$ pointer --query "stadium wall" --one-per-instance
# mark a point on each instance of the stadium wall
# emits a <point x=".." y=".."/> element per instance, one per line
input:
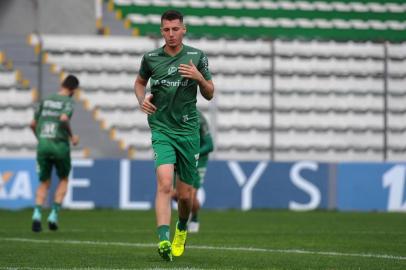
<point x="302" y="186"/>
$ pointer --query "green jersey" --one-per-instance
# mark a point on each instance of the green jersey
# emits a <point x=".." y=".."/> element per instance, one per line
<point x="173" y="95"/>
<point x="49" y="127"/>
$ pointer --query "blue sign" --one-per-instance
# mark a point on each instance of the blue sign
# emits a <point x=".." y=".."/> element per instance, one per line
<point x="128" y="184"/>
<point x="371" y="186"/>
<point x="299" y="186"/>
<point x="302" y="185"/>
<point x="17" y="183"/>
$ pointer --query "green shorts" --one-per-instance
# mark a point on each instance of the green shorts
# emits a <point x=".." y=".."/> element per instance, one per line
<point x="50" y="154"/>
<point x="182" y="151"/>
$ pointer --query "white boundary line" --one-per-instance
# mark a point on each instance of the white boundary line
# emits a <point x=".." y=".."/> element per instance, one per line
<point x="247" y="249"/>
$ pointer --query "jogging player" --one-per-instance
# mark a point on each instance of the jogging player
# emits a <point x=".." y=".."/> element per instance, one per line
<point x="52" y="129"/>
<point x="175" y="71"/>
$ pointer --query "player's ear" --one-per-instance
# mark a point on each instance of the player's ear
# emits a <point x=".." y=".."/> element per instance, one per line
<point x="184" y="29"/>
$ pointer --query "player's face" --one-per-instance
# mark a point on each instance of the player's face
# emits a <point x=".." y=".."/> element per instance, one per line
<point x="173" y="32"/>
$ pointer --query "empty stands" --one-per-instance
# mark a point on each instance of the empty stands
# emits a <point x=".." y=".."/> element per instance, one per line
<point x="338" y="20"/>
<point x="17" y="111"/>
<point x="326" y="98"/>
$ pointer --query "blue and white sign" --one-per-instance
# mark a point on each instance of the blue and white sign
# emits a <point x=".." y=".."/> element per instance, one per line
<point x="246" y="185"/>
<point x="300" y="186"/>
<point x="17" y="183"/>
<point x="371" y="186"/>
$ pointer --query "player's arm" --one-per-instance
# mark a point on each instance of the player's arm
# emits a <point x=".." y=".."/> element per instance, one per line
<point x="145" y="101"/>
<point x="206" y="145"/>
<point x="64" y="118"/>
<point x="191" y="72"/>
<point x="206" y="88"/>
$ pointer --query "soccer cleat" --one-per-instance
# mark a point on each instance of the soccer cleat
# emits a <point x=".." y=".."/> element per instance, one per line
<point x="36" y="221"/>
<point x="193" y="227"/>
<point x="164" y="250"/>
<point x="53" y="221"/>
<point x="179" y="242"/>
<point x="36" y="225"/>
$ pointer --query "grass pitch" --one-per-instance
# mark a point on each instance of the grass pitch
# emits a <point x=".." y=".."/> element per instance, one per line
<point x="260" y="239"/>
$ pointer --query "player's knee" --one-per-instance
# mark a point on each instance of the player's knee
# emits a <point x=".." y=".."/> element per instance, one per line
<point x="184" y="196"/>
<point x="165" y="188"/>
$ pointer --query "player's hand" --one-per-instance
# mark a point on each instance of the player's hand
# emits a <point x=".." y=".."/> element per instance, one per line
<point x="147" y="106"/>
<point x="75" y="139"/>
<point x="190" y="71"/>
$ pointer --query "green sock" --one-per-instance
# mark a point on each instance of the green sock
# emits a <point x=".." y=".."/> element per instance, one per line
<point x="194" y="218"/>
<point x="37" y="212"/>
<point x="163" y="233"/>
<point x="182" y="224"/>
<point x="38" y="208"/>
<point x="56" y="207"/>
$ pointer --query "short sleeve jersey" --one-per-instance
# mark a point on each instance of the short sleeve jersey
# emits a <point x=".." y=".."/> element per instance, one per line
<point x="47" y="115"/>
<point x="173" y="95"/>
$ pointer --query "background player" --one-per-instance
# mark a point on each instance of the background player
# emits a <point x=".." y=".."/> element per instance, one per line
<point x="206" y="146"/>
<point x="52" y="129"/>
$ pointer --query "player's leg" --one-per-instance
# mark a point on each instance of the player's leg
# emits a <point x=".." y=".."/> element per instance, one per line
<point x="44" y="168"/>
<point x="63" y="167"/>
<point x="163" y="196"/>
<point x="194" y="224"/>
<point x="56" y="205"/>
<point x="186" y="164"/>
<point x="40" y="197"/>
<point x="164" y="164"/>
<point x="184" y="193"/>
<point x="163" y="209"/>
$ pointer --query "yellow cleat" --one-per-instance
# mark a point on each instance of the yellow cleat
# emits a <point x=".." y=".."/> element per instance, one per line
<point x="179" y="242"/>
<point x="164" y="250"/>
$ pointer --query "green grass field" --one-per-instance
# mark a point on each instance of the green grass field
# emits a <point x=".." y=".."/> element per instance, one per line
<point x="265" y="239"/>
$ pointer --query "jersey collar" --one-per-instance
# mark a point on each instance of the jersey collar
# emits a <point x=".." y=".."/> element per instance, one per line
<point x="182" y="51"/>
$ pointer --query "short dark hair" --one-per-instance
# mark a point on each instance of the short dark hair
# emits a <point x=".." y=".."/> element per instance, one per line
<point x="70" y="82"/>
<point x="171" y="15"/>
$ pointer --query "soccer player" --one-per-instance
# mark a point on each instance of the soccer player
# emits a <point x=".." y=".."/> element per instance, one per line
<point x="206" y="146"/>
<point x="175" y="71"/>
<point x="52" y="129"/>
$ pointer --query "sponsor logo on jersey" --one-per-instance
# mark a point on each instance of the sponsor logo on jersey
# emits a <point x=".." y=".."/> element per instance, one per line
<point x="172" y="70"/>
<point x="168" y="83"/>
<point x="50" y="113"/>
<point x="153" y="54"/>
<point x="185" y="118"/>
<point x="53" y="104"/>
<point x="192" y="52"/>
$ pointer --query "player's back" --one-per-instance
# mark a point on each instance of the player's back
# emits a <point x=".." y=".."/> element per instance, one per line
<point x="50" y="128"/>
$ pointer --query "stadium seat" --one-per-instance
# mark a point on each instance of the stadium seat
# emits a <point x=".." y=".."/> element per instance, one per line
<point x="327" y="95"/>
<point x="343" y="20"/>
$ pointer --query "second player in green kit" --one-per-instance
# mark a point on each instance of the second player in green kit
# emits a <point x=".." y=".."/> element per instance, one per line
<point x="51" y="126"/>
